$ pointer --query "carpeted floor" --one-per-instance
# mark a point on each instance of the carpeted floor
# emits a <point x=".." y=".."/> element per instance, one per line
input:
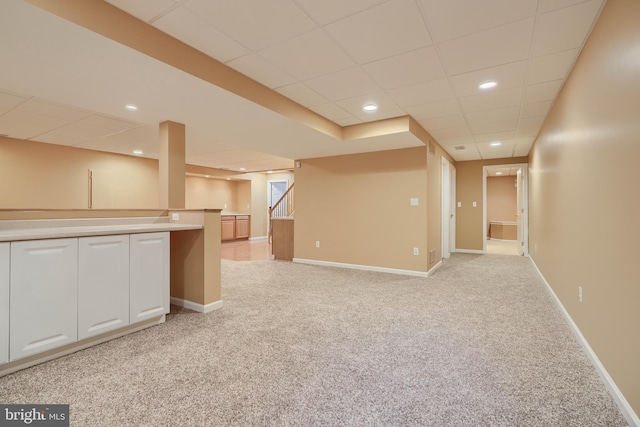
<point x="479" y="343"/>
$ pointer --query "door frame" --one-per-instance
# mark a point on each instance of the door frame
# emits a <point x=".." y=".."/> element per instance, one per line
<point x="524" y="167"/>
<point x="269" y="183"/>
<point x="448" y="210"/>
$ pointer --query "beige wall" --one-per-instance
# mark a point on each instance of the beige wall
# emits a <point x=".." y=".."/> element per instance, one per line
<point x="501" y="199"/>
<point x="468" y="190"/>
<point x="584" y="206"/>
<point x="38" y="175"/>
<point x="209" y="193"/>
<point x="358" y="207"/>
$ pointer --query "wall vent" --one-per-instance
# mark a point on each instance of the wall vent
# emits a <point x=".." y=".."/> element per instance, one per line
<point x="432" y="256"/>
<point x="459" y="147"/>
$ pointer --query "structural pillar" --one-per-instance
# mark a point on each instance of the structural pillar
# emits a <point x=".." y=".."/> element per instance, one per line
<point x="172" y="165"/>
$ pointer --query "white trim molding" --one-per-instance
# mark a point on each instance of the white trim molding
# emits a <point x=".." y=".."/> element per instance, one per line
<point x="470" y="251"/>
<point x="195" y="306"/>
<point x="258" y="238"/>
<point x="362" y="267"/>
<point x="626" y="409"/>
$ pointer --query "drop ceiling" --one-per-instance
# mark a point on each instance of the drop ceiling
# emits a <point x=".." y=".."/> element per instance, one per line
<point x="421" y="58"/>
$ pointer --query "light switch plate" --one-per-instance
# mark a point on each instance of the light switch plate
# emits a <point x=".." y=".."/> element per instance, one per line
<point x="175" y="217"/>
<point x="414" y="201"/>
<point x="474" y="204"/>
<point x="459" y="204"/>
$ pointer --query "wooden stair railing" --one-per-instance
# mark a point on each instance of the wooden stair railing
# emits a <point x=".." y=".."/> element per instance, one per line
<point x="283" y="208"/>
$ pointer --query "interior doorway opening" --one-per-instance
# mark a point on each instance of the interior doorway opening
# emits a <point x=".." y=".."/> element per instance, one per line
<point x="505" y="209"/>
<point x="448" y="204"/>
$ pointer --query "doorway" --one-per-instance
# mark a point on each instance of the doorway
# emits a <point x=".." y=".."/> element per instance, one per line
<point x="448" y="200"/>
<point x="275" y="190"/>
<point x="505" y="212"/>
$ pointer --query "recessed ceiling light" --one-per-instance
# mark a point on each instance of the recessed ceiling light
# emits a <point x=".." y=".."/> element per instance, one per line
<point x="243" y="169"/>
<point x="228" y="179"/>
<point x="269" y="171"/>
<point x="496" y="144"/>
<point x="488" y="85"/>
<point x="137" y="152"/>
<point x="498" y="173"/>
<point x="131" y="107"/>
<point x="370" y="107"/>
<point x="207" y="176"/>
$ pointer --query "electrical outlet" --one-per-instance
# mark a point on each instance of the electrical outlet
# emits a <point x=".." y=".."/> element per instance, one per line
<point x="580" y="293"/>
<point x="414" y="201"/>
<point x="475" y="204"/>
<point x="175" y="217"/>
<point x="416" y="251"/>
<point x="317" y="243"/>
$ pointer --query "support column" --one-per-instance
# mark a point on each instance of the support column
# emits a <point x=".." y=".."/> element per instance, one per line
<point x="172" y="165"/>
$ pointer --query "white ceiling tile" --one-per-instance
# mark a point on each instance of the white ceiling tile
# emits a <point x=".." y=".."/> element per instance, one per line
<point x="331" y="111"/>
<point x="489" y="152"/>
<point x="302" y="94"/>
<point x="530" y="124"/>
<point x="385" y="105"/>
<point x="537" y="109"/>
<point x="542" y="92"/>
<point x="564" y="28"/>
<point x="492" y="100"/>
<point x="507" y="113"/>
<point x="495" y="136"/>
<point x="261" y="70"/>
<point x="307" y="56"/>
<point x="255" y="24"/>
<point x="502" y="45"/>
<point x="392" y="28"/>
<point x="189" y="28"/>
<point x="456" y="140"/>
<point x="107" y="122"/>
<point x="349" y="121"/>
<point x="443" y="123"/>
<point x="46" y="108"/>
<point x="523" y="147"/>
<point x="494" y="126"/>
<point x="343" y="84"/>
<point x="434" y="110"/>
<point x="143" y="138"/>
<point x="447" y="21"/>
<point x="551" y="67"/>
<point x="144" y="10"/>
<point x="457" y="132"/>
<point x="9" y="101"/>
<point x="549" y="5"/>
<point x="507" y="76"/>
<point x="327" y="11"/>
<point x="73" y="134"/>
<point x="423" y="93"/>
<point x="470" y="152"/>
<point x="406" y="69"/>
<point x="24" y="125"/>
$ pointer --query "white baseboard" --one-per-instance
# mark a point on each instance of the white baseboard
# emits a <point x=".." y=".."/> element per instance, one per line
<point x="435" y="267"/>
<point x="362" y="267"/>
<point x="470" y="251"/>
<point x="195" y="306"/>
<point x="258" y="238"/>
<point x="618" y="397"/>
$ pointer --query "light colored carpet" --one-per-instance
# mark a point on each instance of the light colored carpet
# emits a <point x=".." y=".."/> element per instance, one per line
<point x="502" y="247"/>
<point x="480" y="343"/>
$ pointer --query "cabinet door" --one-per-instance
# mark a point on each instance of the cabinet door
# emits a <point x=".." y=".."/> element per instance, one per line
<point x="228" y="228"/>
<point x="242" y="227"/>
<point x="4" y="302"/>
<point x="44" y="295"/>
<point x="149" y="276"/>
<point x="103" y="284"/>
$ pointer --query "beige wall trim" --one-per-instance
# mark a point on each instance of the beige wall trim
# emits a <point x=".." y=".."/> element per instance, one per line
<point x="363" y="267"/>
<point x="626" y="409"/>
<point x="200" y="308"/>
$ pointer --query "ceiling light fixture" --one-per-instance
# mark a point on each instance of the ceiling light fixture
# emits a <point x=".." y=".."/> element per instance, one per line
<point x="498" y="173"/>
<point x="488" y="85"/>
<point x="370" y="107"/>
<point x="243" y="169"/>
<point x="131" y="107"/>
<point x="137" y="152"/>
<point x="495" y="144"/>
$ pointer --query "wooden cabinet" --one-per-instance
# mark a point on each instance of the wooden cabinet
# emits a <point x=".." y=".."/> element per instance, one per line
<point x="4" y="302"/>
<point x="148" y="276"/>
<point x="242" y="226"/>
<point x="228" y="224"/>
<point x="103" y="284"/>
<point x="234" y="227"/>
<point x="44" y="295"/>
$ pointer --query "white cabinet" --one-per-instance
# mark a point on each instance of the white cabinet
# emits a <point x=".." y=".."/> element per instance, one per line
<point x="149" y="276"/>
<point x="43" y="295"/>
<point x="4" y="302"/>
<point x="103" y="284"/>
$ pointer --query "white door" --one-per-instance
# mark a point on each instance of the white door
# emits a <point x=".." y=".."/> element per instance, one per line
<point x="103" y="284"/>
<point x="44" y="295"/>
<point x="4" y="302"/>
<point x="446" y="207"/>
<point x="452" y="209"/>
<point x="520" y="206"/>
<point x="149" y="276"/>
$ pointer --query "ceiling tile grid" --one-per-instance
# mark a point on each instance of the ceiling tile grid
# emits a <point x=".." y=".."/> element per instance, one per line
<point x="424" y="58"/>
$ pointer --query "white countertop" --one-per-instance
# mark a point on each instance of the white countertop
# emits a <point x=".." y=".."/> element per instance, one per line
<point x="36" y="233"/>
